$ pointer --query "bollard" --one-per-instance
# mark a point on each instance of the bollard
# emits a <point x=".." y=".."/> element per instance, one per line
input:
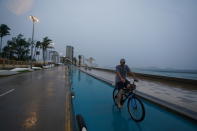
<point x="72" y="94"/>
<point x="81" y="123"/>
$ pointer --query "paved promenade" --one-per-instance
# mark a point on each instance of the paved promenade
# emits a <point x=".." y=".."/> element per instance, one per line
<point x="35" y="101"/>
<point x="183" y="97"/>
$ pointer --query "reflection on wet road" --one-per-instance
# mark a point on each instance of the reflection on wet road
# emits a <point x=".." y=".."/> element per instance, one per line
<point x="37" y="102"/>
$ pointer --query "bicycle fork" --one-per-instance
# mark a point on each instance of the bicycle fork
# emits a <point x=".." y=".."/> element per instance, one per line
<point x="133" y="103"/>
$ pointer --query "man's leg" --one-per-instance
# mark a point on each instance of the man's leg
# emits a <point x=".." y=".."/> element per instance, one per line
<point x="119" y="95"/>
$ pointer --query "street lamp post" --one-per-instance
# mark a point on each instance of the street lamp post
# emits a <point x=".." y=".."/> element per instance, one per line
<point x="34" y="20"/>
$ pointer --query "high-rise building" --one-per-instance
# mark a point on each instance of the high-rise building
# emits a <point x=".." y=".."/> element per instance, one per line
<point x="70" y="52"/>
<point x="82" y="60"/>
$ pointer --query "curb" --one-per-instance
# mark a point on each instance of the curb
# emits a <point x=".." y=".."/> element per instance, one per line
<point x="69" y="124"/>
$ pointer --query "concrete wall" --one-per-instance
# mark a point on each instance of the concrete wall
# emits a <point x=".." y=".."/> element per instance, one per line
<point x="12" y="66"/>
<point x="9" y="64"/>
<point x="161" y="78"/>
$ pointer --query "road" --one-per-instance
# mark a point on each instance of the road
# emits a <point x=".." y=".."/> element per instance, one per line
<point x="33" y="101"/>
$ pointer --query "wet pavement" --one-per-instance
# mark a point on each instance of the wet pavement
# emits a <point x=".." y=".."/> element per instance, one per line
<point x="33" y="101"/>
<point x="180" y="95"/>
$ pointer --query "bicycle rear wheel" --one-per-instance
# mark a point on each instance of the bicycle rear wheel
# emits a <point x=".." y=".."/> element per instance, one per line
<point x="115" y="92"/>
<point x="136" y="109"/>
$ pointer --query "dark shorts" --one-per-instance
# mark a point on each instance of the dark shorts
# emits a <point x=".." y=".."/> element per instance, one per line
<point x="121" y="85"/>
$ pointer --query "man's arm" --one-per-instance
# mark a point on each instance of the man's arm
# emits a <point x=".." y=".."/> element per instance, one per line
<point x="118" y="74"/>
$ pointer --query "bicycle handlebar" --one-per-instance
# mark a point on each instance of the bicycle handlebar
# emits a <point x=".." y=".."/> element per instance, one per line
<point x="135" y="80"/>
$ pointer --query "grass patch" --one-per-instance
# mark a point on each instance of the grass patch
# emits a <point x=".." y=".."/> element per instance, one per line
<point x="23" y="71"/>
<point x="37" y="69"/>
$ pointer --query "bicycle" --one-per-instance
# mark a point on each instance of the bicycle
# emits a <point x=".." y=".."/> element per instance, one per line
<point x="134" y="104"/>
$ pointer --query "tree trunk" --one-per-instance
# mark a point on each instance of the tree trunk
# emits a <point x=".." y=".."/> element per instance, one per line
<point x="38" y="56"/>
<point x="43" y="55"/>
<point x="46" y="55"/>
<point x="35" y="49"/>
<point x="1" y="45"/>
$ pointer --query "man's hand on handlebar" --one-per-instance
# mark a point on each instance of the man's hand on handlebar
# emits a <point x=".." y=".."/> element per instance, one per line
<point x="122" y="80"/>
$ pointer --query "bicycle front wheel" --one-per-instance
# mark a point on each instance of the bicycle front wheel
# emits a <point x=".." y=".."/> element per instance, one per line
<point x="136" y="109"/>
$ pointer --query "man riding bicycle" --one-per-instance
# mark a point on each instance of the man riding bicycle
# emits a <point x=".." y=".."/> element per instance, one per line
<point x="121" y="82"/>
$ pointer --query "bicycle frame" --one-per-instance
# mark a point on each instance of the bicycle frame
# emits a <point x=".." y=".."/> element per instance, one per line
<point x="128" y="93"/>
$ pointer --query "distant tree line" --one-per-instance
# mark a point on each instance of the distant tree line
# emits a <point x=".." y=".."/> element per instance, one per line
<point x="18" y="48"/>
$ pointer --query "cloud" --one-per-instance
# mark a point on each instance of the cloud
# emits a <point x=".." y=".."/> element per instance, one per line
<point x="19" y="7"/>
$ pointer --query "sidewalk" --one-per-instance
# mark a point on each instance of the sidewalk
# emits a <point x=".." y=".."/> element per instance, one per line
<point x="19" y="70"/>
<point x="175" y="96"/>
<point x="7" y="73"/>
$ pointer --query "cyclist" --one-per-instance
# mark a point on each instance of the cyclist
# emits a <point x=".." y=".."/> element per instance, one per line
<point x="121" y="81"/>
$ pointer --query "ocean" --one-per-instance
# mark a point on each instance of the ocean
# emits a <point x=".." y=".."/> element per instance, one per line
<point x="176" y="73"/>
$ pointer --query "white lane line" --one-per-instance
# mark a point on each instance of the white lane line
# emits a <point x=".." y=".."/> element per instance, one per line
<point x="7" y="92"/>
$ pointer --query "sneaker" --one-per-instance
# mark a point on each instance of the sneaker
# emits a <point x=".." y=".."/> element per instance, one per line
<point x="120" y="103"/>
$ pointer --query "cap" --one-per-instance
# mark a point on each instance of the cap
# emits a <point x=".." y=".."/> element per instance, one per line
<point x="122" y="60"/>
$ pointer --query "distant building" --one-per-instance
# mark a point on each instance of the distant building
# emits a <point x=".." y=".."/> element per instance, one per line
<point x="52" y="56"/>
<point x="55" y="58"/>
<point x="82" y="60"/>
<point x="48" y="53"/>
<point x="62" y="59"/>
<point x="69" y="52"/>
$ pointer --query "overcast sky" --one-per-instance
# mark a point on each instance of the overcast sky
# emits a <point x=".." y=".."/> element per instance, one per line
<point x="148" y="33"/>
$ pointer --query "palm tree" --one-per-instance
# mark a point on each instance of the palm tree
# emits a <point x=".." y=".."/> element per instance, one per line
<point x="6" y="53"/>
<point x="45" y="44"/>
<point x="4" y="30"/>
<point x="91" y="60"/>
<point x="37" y="46"/>
<point x="17" y="48"/>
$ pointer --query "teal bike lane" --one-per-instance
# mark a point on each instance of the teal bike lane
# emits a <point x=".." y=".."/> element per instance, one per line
<point x="93" y="100"/>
